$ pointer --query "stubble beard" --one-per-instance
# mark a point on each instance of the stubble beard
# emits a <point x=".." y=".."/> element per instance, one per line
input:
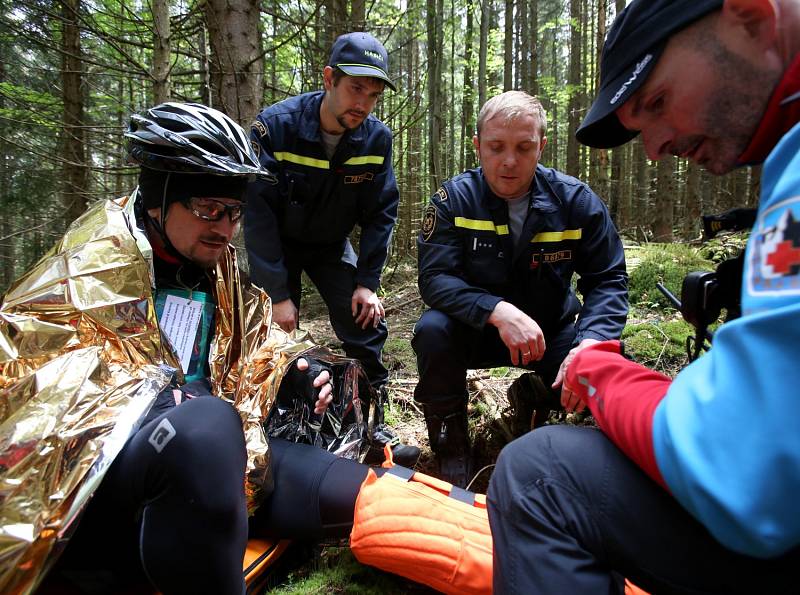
<point x="346" y="125"/>
<point x="735" y="109"/>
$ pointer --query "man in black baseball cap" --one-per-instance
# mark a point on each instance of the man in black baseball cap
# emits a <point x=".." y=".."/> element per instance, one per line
<point x="690" y="485"/>
<point x="333" y="161"/>
<point x="633" y="46"/>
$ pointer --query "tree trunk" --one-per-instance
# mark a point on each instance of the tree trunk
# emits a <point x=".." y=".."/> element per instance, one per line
<point x="693" y="202"/>
<point x="434" y="93"/>
<point x="524" y="47"/>
<point x="640" y="198"/>
<point x="6" y="245"/>
<point x="335" y="20"/>
<point x="74" y="171"/>
<point x="508" y="47"/>
<point x="533" y="40"/>
<point x="664" y="203"/>
<point x="468" y="98"/>
<point x="204" y="65"/>
<point x="452" y="155"/>
<point x="236" y="61"/>
<point x="754" y="190"/>
<point x="483" y="50"/>
<point x="358" y="15"/>
<point x="161" y="51"/>
<point x="414" y="200"/>
<point x="574" y="80"/>
<point x="555" y="138"/>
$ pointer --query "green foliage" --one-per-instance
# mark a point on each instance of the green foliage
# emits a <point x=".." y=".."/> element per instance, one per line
<point x="665" y="263"/>
<point x="724" y="246"/>
<point x="337" y="571"/>
<point x="30" y="105"/>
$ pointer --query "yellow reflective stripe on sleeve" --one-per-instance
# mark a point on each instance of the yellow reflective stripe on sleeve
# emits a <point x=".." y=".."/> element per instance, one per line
<point x="300" y="160"/>
<point x="557" y="236"/>
<point x="365" y="160"/>
<point x="481" y="225"/>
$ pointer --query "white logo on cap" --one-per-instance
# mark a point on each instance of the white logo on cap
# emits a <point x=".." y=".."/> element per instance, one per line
<point x="636" y="72"/>
<point x="372" y="54"/>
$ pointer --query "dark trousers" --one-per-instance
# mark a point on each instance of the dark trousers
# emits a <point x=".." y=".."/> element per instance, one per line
<point x="570" y="513"/>
<point x="176" y="517"/>
<point x="171" y="508"/>
<point x="332" y="270"/>
<point x="446" y="348"/>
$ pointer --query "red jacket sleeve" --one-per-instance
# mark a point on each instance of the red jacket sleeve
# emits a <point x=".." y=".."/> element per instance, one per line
<point x="622" y="396"/>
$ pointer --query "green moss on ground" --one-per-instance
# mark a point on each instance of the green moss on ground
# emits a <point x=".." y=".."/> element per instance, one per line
<point x="658" y="344"/>
<point x="667" y="264"/>
<point x="337" y="571"/>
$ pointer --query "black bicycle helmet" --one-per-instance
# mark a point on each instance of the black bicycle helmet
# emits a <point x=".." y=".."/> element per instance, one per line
<point x="191" y="138"/>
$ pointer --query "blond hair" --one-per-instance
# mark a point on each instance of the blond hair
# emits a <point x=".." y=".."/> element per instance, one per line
<point x="510" y="106"/>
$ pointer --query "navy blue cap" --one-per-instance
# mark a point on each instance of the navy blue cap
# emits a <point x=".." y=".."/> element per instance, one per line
<point x="632" y="48"/>
<point x="360" y="54"/>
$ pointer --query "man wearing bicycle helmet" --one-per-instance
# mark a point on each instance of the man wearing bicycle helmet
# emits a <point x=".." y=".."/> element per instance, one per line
<point x="152" y="309"/>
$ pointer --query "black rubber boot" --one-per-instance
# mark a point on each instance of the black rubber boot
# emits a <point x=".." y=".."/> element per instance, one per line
<point x="449" y="436"/>
<point x="404" y="455"/>
<point x="532" y="403"/>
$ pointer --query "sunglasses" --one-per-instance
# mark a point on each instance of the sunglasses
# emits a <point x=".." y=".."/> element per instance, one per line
<point x="211" y="209"/>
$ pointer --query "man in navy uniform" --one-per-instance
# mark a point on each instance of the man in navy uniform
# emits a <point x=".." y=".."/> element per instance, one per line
<point x="497" y="251"/>
<point x="333" y="160"/>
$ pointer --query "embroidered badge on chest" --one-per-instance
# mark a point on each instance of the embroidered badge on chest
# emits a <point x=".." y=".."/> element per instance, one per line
<point x="367" y="176"/>
<point x="550" y="257"/>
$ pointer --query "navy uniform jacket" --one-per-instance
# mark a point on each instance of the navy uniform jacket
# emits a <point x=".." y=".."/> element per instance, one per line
<point x="317" y="201"/>
<point x="468" y="263"/>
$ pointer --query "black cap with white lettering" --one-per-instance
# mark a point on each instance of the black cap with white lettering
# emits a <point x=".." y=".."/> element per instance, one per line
<point x="360" y="54"/>
<point x="633" y="46"/>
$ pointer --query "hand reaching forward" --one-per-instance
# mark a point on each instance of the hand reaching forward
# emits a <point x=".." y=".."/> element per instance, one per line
<point x="323" y="380"/>
<point x="284" y="314"/>
<point x="570" y="400"/>
<point x="366" y="306"/>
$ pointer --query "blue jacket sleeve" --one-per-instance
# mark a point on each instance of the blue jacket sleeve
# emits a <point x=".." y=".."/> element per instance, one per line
<point x="441" y="279"/>
<point x="726" y="436"/>
<point x="261" y="234"/>
<point x="603" y="281"/>
<point x="377" y="219"/>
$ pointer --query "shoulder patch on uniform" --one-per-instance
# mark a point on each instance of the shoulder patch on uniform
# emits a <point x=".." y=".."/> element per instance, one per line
<point x="774" y="265"/>
<point x="256" y="147"/>
<point x="428" y="223"/>
<point x="260" y="129"/>
<point x="442" y="194"/>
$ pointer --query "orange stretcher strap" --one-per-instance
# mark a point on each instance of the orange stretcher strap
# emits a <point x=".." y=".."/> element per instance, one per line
<point x="631" y="589"/>
<point x="260" y="555"/>
<point x="422" y="528"/>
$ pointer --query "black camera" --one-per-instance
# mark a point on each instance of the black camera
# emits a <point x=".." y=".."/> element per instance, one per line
<point x="704" y="294"/>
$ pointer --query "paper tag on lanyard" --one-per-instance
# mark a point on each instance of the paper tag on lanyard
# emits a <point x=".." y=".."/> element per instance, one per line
<point x="179" y="321"/>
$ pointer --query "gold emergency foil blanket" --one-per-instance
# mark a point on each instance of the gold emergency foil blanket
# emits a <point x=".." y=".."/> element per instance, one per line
<point x="78" y="412"/>
<point x="79" y="344"/>
<point x="80" y="355"/>
<point x="248" y="361"/>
